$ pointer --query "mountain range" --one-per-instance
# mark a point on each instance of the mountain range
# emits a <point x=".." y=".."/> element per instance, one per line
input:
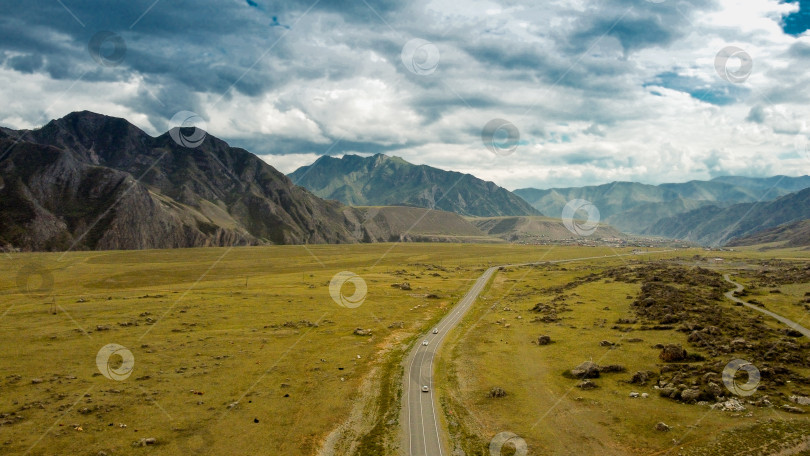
<point x="89" y="181"/>
<point x="638" y="208"/>
<point x="381" y="180"/>
<point x="713" y="225"/>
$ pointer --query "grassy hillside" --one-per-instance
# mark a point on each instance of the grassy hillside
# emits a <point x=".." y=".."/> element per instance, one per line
<point x="795" y="234"/>
<point x="712" y="225"/>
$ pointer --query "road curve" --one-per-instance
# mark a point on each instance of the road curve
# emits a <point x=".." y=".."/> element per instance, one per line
<point x="790" y="323"/>
<point x="419" y="416"/>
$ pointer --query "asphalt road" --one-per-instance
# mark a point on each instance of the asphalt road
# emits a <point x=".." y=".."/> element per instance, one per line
<point x="419" y="409"/>
<point x="790" y="323"/>
<point x="420" y="417"/>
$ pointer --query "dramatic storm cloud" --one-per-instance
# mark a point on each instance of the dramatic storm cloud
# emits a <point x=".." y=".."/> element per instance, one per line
<point x="652" y="91"/>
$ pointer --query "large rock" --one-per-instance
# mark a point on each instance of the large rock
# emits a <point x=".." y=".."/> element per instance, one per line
<point x="672" y="353"/>
<point x="588" y="369"/>
<point x="544" y="340"/>
<point x="641" y="377"/>
<point x="690" y="395"/>
<point x="801" y="400"/>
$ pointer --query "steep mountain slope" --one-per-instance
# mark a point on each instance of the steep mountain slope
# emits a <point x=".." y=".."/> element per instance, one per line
<point x="634" y="207"/>
<point x="383" y="181"/>
<point x="88" y="181"/>
<point x="712" y="225"/>
<point x="795" y="234"/>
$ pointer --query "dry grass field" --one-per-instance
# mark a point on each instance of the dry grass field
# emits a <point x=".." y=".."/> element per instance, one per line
<point x="496" y="346"/>
<point x="236" y="351"/>
<point x="244" y="351"/>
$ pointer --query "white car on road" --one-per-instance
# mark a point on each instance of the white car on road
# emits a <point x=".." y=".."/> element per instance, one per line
<point x="425" y="343"/>
<point x="425" y="389"/>
<point x="436" y="331"/>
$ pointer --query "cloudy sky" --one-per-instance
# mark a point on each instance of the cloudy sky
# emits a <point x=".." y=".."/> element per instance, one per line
<point x="568" y="93"/>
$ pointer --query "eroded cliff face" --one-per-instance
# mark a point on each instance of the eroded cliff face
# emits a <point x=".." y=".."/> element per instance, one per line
<point x="89" y="181"/>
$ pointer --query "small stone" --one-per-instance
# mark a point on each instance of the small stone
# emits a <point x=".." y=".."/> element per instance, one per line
<point x="587" y="385"/>
<point x="792" y="409"/>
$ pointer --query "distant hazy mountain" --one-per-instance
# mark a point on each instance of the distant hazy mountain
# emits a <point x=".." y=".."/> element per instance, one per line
<point x="538" y="229"/>
<point x="712" y="225"/>
<point x="634" y="207"/>
<point x="88" y="181"/>
<point x="383" y="181"/>
<point x="794" y="234"/>
<point x="401" y="223"/>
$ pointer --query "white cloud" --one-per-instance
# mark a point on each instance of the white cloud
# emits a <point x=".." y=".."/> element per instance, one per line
<point x="589" y="112"/>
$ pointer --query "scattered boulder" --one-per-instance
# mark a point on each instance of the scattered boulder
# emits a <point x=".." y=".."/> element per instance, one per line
<point x="662" y="427"/>
<point x="792" y="409"/>
<point x="497" y="392"/>
<point x="405" y="286"/>
<point x="611" y="368"/>
<point x="397" y="325"/>
<point x="801" y="400"/>
<point x="690" y="395"/>
<point x="672" y="353"/>
<point x="362" y="332"/>
<point x="606" y="343"/>
<point x="587" y="385"/>
<point x="145" y="442"/>
<point x="731" y="405"/>
<point x="634" y="394"/>
<point x="544" y="340"/>
<point x="588" y="369"/>
<point x="641" y="377"/>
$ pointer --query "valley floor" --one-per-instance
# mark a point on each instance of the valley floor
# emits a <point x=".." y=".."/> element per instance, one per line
<point x="251" y="350"/>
